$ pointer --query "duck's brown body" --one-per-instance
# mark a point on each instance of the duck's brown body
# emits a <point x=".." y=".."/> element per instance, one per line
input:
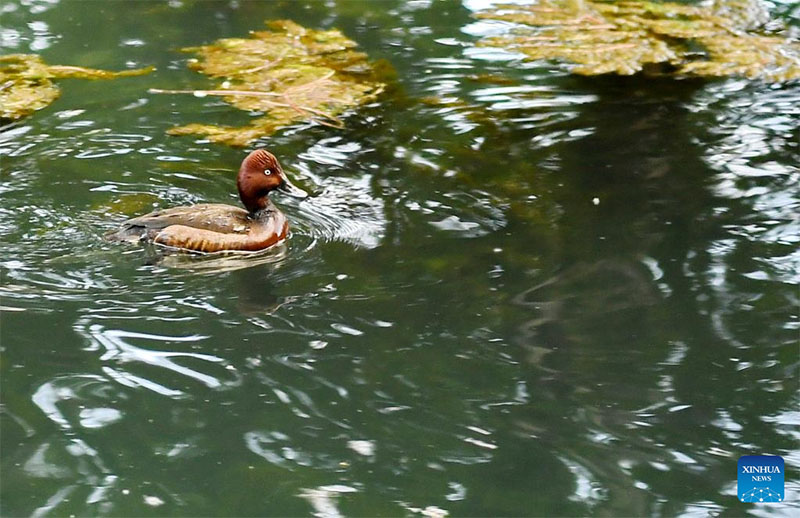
<point x="212" y="227"/>
<point x="208" y="227"/>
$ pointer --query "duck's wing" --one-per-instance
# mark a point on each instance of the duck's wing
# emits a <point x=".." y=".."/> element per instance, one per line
<point x="212" y="217"/>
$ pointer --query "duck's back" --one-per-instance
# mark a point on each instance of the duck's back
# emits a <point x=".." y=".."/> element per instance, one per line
<point x="208" y="227"/>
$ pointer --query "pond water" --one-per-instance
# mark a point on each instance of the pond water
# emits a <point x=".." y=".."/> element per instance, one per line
<point x="512" y="292"/>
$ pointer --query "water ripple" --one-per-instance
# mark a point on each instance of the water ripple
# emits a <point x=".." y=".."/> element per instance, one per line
<point x="119" y="349"/>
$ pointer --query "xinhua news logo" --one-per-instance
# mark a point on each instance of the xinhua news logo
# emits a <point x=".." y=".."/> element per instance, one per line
<point x="761" y="479"/>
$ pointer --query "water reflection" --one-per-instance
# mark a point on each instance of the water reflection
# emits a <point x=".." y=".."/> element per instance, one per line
<point x="573" y="309"/>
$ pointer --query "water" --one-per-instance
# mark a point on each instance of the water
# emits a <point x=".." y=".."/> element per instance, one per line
<point x="548" y="296"/>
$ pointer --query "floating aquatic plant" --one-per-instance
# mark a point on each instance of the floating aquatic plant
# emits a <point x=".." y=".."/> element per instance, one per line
<point x="26" y="82"/>
<point x="289" y="73"/>
<point x="628" y="37"/>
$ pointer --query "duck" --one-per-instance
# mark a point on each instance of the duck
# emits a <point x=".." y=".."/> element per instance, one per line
<point x="216" y="227"/>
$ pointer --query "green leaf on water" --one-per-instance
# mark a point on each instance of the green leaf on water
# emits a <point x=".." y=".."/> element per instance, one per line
<point x="26" y="82"/>
<point x="629" y="37"/>
<point x="289" y="73"/>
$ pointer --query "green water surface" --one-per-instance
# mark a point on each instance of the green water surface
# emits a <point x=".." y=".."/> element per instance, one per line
<point x="513" y="292"/>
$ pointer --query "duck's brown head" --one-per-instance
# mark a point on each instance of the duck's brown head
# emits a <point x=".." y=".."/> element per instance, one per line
<point x="260" y="174"/>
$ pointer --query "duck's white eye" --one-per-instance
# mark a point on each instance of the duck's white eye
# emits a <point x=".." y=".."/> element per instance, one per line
<point x="267" y="172"/>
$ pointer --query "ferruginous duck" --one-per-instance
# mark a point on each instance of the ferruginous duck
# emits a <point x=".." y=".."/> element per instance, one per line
<point x="215" y="227"/>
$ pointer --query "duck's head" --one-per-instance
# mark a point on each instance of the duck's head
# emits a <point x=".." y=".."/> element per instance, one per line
<point x="259" y="175"/>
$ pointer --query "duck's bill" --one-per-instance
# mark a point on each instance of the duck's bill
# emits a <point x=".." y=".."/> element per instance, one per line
<point x="289" y="188"/>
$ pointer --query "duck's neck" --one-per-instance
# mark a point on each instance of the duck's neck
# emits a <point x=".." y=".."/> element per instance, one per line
<point x="265" y="209"/>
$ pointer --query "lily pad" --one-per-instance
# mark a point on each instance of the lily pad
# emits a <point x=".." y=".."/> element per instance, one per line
<point x="289" y="73"/>
<point x="629" y="37"/>
<point x="26" y="82"/>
